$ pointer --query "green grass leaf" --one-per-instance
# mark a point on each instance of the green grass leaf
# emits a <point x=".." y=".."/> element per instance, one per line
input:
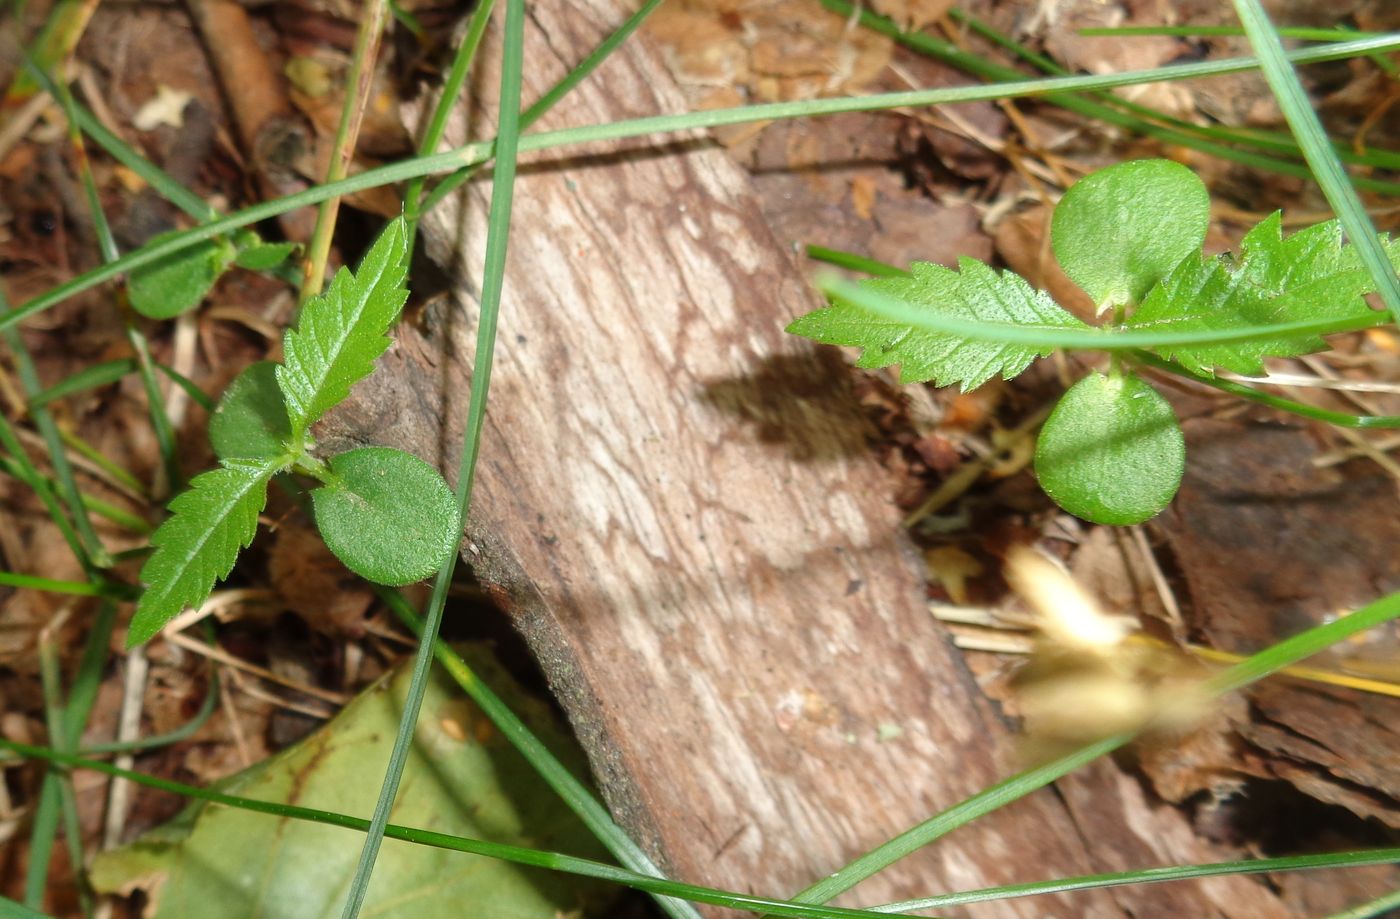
<point x="387" y="515"/>
<point x="974" y="292"/>
<point x="177" y="282"/>
<point x="1309" y="275"/>
<point x="1120" y="230"/>
<point x="209" y="525"/>
<point x="1111" y="451"/>
<point x="342" y="331"/>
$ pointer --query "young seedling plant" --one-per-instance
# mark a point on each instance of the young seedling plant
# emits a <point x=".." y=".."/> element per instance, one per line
<point x="1131" y="236"/>
<point x="387" y="515"/>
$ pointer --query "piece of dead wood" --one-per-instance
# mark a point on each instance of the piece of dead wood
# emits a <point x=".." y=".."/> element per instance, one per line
<point x="717" y="588"/>
<point x="1268" y="546"/>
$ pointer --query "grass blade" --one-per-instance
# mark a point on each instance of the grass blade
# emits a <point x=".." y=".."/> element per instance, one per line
<point x="551" y="97"/>
<point x="9" y="909"/>
<point x="493" y="277"/>
<point x="574" y="793"/>
<point x="1152" y="876"/>
<point x="1091" y="339"/>
<point x="1378" y="907"/>
<point x="481" y="151"/>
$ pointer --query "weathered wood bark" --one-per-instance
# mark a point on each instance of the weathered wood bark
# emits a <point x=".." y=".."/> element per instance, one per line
<point x="675" y="502"/>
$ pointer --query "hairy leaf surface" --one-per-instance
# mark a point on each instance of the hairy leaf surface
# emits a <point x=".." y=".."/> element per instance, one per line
<point x="1311" y="274"/>
<point x="342" y="331"/>
<point x="1120" y="230"/>
<point x="973" y="292"/>
<point x="209" y="525"/>
<point x="1111" y="451"/>
<point x="178" y="282"/>
<point x="387" y="515"/>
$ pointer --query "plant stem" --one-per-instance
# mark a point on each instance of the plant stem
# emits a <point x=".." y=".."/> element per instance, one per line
<point x="1341" y="419"/>
<point x="359" y="83"/>
<point x="73" y="588"/>
<point x="442" y="109"/>
<point x="552" y="96"/>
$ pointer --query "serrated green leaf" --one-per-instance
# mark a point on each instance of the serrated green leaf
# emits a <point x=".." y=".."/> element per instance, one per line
<point x="387" y="515"/>
<point x="260" y="256"/>
<point x="209" y="524"/>
<point x="250" y="421"/>
<point x="1111" y="451"/>
<point x="342" y="331"/>
<point x="1118" y="231"/>
<point x="1309" y="275"/>
<point x="974" y="292"/>
<point x="171" y="285"/>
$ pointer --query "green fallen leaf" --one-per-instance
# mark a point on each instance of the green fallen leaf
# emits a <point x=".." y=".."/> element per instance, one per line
<point x="250" y="420"/>
<point x="462" y="778"/>
<point x="1120" y="230"/>
<point x="1111" y="451"/>
<point x="387" y="515"/>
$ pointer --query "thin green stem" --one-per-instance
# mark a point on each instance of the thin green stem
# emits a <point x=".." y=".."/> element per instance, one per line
<point x="493" y="279"/>
<point x="104" y="462"/>
<point x="90" y="377"/>
<point x="1303" y="34"/>
<point x="552" y="96"/>
<point x="1380" y="906"/>
<point x="43" y="832"/>
<point x="442" y="109"/>
<point x="358" y="84"/>
<point x="108" y="372"/>
<point x="1270" y="141"/>
<point x="610" y="874"/>
<point x="1312" y="138"/>
<point x="1355" y="859"/>
<point x="853" y="262"/>
<point x="1270" y="660"/>
<point x="73" y="588"/>
<point x="1341" y="419"/>
<point x="57" y="718"/>
<point x="479" y="152"/>
<point x="82" y="695"/>
<point x="1108" y="109"/>
<point x="20" y="466"/>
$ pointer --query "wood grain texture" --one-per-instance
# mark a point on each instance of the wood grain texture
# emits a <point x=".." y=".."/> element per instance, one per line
<point x="676" y="504"/>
